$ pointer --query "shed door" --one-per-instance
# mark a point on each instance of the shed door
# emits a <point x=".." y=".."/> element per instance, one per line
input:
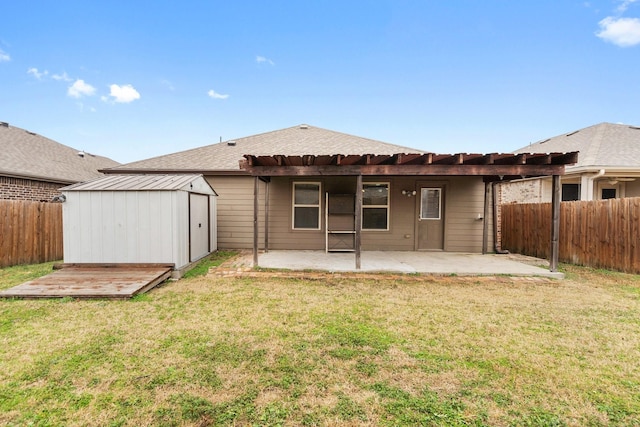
<point x="431" y="219"/>
<point x="198" y="226"/>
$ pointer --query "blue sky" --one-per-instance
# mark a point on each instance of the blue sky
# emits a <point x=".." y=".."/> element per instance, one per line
<point x="137" y="79"/>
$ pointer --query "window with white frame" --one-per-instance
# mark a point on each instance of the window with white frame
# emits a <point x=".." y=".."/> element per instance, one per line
<point x="306" y="205"/>
<point x="375" y="206"/>
<point x="430" y="201"/>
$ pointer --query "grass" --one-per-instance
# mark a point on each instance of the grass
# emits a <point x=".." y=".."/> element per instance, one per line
<point x="450" y="351"/>
<point x="213" y="260"/>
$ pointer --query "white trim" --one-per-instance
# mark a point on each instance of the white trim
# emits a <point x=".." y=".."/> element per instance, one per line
<point x="439" y="190"/>
<point x="387" y="206"/>
<point x="294" y="205"/>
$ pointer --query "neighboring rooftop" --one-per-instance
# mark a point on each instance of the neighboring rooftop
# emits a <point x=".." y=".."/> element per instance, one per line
<point x="604" y="144"/>
<point x="25" y="154"/>
<point x="297" y="140"/>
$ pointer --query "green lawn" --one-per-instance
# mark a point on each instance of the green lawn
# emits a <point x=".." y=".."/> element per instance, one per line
<point x="391" y="351"/>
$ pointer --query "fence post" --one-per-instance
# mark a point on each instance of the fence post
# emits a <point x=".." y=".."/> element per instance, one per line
<point x="555" y="223"/>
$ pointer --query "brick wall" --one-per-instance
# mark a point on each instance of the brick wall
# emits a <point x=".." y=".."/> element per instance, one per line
<point x="27" y="189"/>
<point x="525" y="191"/>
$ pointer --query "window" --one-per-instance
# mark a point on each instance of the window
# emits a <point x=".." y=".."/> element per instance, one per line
<point x="375" y="206"/>
<point x="306" y="205"/>
<point x="608" y="193"/>
<point x="570" y="192"/>
<point x="430" y="203"/>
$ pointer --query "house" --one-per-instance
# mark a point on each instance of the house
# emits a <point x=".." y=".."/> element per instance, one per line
<point x="608" y="166"/>
<point x="308" y="188"/>
<point x="33" y="167"/>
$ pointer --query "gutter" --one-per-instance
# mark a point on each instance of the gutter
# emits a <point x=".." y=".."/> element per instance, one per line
<point x="174" y="171"/>
<point x="38" y="178"/>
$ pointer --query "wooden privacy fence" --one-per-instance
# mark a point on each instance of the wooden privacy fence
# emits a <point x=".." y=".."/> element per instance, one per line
<point x="30" y="232"/>
<point x="600" y="233"/>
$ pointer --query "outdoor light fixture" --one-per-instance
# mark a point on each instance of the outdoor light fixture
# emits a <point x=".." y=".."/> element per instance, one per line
<point x="408" y="193"/>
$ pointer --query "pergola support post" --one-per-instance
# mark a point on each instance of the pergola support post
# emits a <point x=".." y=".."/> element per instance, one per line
<point x="266" y="215"/>
<point x="256" y="189"/>
<point x="555" y="223"/>
<point x="358" y="220"/>
<point x="485" y="216"/>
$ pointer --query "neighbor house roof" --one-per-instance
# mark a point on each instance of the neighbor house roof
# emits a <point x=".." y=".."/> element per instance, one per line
<point x="604" y="145"/>
<point x="226" y="156"/>
<point x="25" y="154"/>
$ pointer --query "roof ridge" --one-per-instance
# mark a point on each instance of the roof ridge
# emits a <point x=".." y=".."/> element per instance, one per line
<point x="308" y="126"/>
<point x="590" y="154"/>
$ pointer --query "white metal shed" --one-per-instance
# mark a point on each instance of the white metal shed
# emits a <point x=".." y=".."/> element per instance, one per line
<point x="124" y="219"/>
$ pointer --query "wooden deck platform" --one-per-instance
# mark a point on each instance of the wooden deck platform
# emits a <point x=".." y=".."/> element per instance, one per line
<point x="93" y="281"/>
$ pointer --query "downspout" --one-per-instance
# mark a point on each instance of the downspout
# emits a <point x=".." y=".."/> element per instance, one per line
<point x="495" y="221"/>
<point x="592" y="179"/>
<point x="586" y="183"/>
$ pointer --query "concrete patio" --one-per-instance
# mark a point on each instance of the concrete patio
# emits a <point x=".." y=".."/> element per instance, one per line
<point x="442" y="263"/>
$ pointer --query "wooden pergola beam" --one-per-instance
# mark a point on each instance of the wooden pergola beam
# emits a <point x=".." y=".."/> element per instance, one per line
<point x="412" y="170"/>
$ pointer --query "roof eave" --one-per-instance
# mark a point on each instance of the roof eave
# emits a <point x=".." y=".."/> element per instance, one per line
<point x="37" y="178"/>
<point x="575" y="170"/>
<point x="206" y="172"/>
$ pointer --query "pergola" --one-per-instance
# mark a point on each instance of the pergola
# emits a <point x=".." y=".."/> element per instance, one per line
<point x="495" y="167"/>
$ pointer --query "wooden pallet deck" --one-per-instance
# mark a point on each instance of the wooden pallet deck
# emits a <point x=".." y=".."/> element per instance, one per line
<point x="93" y="281"/>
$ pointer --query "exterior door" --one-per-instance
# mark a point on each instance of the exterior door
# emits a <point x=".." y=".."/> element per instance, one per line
<point x="431" y="219"/>
<point x="198" y="226"/>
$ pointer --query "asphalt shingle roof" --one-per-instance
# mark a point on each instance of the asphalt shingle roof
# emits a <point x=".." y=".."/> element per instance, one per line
<point x="297" y="140"/>
<point x="28" y="155"/>
<point x="604" y="144"/>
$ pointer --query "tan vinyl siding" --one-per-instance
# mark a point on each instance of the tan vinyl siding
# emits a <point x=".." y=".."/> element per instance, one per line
<point x="400" y="236"/>
<point x="464" y="200"/>
<point x="235" y="211"/>
<point x="632" y="188"/>
<point x="281" y="233"/>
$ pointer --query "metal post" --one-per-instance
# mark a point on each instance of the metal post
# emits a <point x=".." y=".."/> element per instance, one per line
<point x="358" y="219"/>
<point x="485" y="216"/>
<point x="555" y="223"/>
<point x="266" y="215"/>
<point x="255" y="221"/>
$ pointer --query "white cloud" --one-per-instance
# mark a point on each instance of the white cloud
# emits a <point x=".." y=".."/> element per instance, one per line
<point x="61" y="77"/>
<point x="4" y="57"/>
<point x="166" y="83"/>
<point x="215" y="95"/>
<point x="262" y="59"/>
<point x="625" y="5"/>
<point x="624" y="32"/>
<point x="123" y="94"/>
<point x="37" y="74"/>
<point x="79" y="89"/>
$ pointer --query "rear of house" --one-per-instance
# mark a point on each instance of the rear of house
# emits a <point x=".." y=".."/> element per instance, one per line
<point x="417" y="201"/>
<point x="398" y="213"/>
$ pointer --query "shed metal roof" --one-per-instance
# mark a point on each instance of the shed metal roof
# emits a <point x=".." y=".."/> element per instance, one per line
<point x="135" y="183"/>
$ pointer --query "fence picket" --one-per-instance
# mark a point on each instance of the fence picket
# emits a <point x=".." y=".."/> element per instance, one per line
<point x="30" y="232"/>
<point x="601" y="234"/>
